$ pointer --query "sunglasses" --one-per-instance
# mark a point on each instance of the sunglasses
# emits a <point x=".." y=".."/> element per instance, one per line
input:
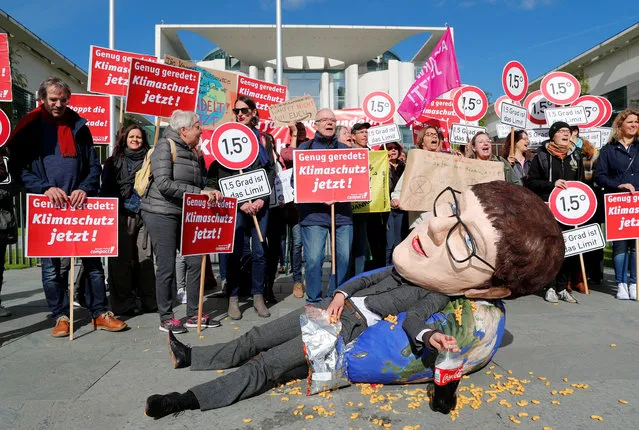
<point x="244" y="111"/>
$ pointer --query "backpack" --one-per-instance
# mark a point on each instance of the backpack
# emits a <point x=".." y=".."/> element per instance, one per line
<point x="143" y="176"/>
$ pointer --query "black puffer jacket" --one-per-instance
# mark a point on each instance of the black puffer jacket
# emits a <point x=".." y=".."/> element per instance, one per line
<point x="170" y="180"/>
<point x="546" y="169"/>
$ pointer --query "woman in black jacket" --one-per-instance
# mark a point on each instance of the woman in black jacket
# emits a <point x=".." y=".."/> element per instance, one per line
<point x="132" y="270"/>
<point x="556" y="162"/>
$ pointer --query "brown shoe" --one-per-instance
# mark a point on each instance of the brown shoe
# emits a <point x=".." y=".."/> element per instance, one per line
<point x="107" y="321"/>
<point x="61" y="328"/>
<point x="298" y="290"/>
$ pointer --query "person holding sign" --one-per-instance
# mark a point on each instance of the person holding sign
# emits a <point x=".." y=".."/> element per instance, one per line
<point x="246" y="113"/>
<point x="9" y="230"/>
<point x="481" y="148"/>
<point x="396" y="223"/>
<point x="618" y="172"/>
<point x="361" y="222"/>
<point x="557" y="161"/>
<point x="132" y="270"/>
<point x="172" y="177"/>
<point x="520" y="160"/>
<point x="53" y="148"/>
<point x="465" y="250"/>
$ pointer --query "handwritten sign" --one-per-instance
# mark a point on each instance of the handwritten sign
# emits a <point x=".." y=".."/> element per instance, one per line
<point x="299" y="109"/>
<point x="427" y="173"/>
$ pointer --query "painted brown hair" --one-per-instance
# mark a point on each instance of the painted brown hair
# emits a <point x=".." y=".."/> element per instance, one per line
<point x="530" y="249"/>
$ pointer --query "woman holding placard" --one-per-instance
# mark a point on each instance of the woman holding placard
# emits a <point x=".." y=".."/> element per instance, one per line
<point x="132" y="270"/>
<point x="481" y="148"/>
<point x="618" y="171"/>
<point x="520" y="160"/>
<point x="246" y="113"/>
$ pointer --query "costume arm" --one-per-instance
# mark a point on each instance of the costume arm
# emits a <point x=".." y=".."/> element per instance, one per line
<point x="416" y="316"/>
<point x="357" y="284"/>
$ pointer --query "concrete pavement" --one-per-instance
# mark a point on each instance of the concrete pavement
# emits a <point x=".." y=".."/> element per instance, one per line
<point x="101" y="380"/>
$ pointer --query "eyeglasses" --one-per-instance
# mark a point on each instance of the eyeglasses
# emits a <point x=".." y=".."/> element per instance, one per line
<point x="460" y="243"/>
<point x="326" y="120"/>
<point x="430" y="134"/>
<point x="244" y="111"/>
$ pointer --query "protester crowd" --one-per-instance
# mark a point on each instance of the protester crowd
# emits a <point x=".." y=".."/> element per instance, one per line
<point x="51" y="152"/>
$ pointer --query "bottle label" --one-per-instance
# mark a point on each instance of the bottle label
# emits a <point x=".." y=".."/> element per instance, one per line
<point x="444" y="376"/>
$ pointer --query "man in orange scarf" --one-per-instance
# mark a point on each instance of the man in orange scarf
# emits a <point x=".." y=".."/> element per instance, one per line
<point x="51" y="150"/>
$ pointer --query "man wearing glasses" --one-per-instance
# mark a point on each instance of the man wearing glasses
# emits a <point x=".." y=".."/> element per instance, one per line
<point x="315" y="220"/>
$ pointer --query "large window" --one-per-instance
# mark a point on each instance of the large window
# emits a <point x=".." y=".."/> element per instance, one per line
<point x="301" y="83"/>
<point x="23" y="103"/>
<point x="619" y="100"/>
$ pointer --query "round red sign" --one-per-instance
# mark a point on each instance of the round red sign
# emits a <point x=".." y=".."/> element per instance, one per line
<point x="573" y="206"/>
<point x="536" y="104"/>
<point x="470" y="103"/>
<point x="502" y="99"/>
<point x="595" y="110"/>
<point x="560" y="88"/>
<point x="514" y="79"/>
<point x="234" y="145"/>
<point x="608" y="106"/>
<point x="5" y="128"/>
<point x="379" y="106"/>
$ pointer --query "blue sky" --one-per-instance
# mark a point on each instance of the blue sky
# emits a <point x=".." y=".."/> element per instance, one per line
<point x="542" y="34"/>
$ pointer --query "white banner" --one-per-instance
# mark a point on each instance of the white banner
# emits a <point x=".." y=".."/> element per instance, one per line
<point x="583" y="239"/>
<point x="283" y="189"/>
<point x="537" y="136"/>
<point x="514" y="116"/>
<point x="573" y="115"/>
<point x="462" y="134"/>
<point x="592" y="136"/>
<point x="383" y="134"/>
<point x="246" y="186"/>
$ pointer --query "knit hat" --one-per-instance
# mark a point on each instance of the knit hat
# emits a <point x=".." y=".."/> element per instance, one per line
<point x="556" y="127"/>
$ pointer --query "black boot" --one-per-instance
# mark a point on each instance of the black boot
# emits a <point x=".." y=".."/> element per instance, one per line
<point x="158" y="406"/>
<point x="180" y="353"/>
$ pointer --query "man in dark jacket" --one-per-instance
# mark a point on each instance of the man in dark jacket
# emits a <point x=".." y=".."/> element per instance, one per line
<point x="315" y="220"/>
<point x="52" y="148"/>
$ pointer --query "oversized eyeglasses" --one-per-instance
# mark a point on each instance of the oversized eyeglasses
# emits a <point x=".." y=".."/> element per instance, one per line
<point x="460" y="243"/>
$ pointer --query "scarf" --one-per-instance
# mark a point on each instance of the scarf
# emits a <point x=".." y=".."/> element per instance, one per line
<point x="127" y="166"/>
<point x="557" y="151"/>
<point x="63" y="124"/>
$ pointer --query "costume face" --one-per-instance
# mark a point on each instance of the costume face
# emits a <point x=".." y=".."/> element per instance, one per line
<point x="430" y="141"/>
<point x="134" y="140"/>
<point x="243" y="113"/>
<point x="360" y="138"/>
<point x="482" y="147"/>
<point x="630" y="126"/>
<point x="325" y="122"/>
<point x="191" y="135"/>
<point x="56" y="101"/>
<point x="430" y="255"/>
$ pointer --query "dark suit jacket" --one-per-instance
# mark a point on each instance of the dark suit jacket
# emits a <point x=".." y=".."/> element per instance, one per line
<point x="387" y="293"/>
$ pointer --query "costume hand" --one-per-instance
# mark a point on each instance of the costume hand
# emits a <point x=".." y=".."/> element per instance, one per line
<point x="246" y="208"/>
<point x="440" y="341"/>
<point x="395" y="203"/>
<point x="561" y="184"/>
<point x="336" y="307"/>
<point x="257" y="206"/>
<point x="56" y="196"/>
<point x="627" y="187"/>
<point x="213" y="196"/>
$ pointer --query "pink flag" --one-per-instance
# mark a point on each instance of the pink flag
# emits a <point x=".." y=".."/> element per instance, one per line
<point x="439" y="74"/>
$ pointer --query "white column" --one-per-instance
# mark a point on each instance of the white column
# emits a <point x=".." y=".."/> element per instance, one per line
<point x="393" y="80"/>
<point x="324" y="91"/>
<point x="268" y="74"/>
<point x="253" y="72"/>
<point x="406" y="78"/>
<point x="331" y="93"/>
<point x="351" y="82"/>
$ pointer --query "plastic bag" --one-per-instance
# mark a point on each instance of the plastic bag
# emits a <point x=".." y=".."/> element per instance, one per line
<point x="324" y="350"/>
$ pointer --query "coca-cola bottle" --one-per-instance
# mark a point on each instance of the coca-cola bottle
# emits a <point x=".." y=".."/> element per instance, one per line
<point x="448" y="372"/>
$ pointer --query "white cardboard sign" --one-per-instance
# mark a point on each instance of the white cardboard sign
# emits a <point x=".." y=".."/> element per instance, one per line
<point x="284" y="192"/>
<point x="573" y="115"/>
<point x="514" y="116"/>
<point x="383" y="134"/>
<point x="246" y="186"/>
<point x="593" y="136"/>
<point x="462" y="134"/>
<point x="537" y="136"/>
<point x="583" y="239"/>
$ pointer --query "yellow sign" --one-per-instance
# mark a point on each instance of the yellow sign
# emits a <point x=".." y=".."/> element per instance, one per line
<point x="380" y="198"/>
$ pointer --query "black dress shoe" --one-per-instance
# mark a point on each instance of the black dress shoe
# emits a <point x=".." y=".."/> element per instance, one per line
<point x="180" y="353"/>
<point x="158" y="406"/>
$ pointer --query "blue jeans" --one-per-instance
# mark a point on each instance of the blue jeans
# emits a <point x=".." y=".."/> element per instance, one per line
<point x="245" y="229"/>
<point x="224" y="258"/>
<point x="314" y="243"/>
<point x="296" y="253"/>
<point x="623" y="255"/>
<point x="360" y="243"/>
<point x="55" y="281"/>
<point x="393" y="232"/>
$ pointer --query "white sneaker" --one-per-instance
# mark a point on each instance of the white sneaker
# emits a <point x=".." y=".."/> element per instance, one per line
<point x="632" y="291"/>
<point x="551" y="296"/>
<point x="622" y="291"/>
<point x="4" y="312"/>
<point x="567" y="297"/>
<point x="181" y="295"/>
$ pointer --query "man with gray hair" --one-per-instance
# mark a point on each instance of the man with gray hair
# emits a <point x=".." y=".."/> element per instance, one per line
<point x="176" y="169"/>
<point x="52" y="152"/>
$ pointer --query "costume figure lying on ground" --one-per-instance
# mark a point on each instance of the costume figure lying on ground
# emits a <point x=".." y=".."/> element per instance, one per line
<point x="474" y="246"/>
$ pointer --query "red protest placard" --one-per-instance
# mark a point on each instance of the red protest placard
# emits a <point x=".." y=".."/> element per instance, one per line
<point x="206" y="227"/>
<point x="338" y="175"/>
<point x="109" y="70"/>
<point x="157" y="89"/>
<point x="97" y="111"/>
<point x="622" y="216"/>
<point x="6" y="93"/>
<point x="264" y="94"/>
<point x="88" y="231"/>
